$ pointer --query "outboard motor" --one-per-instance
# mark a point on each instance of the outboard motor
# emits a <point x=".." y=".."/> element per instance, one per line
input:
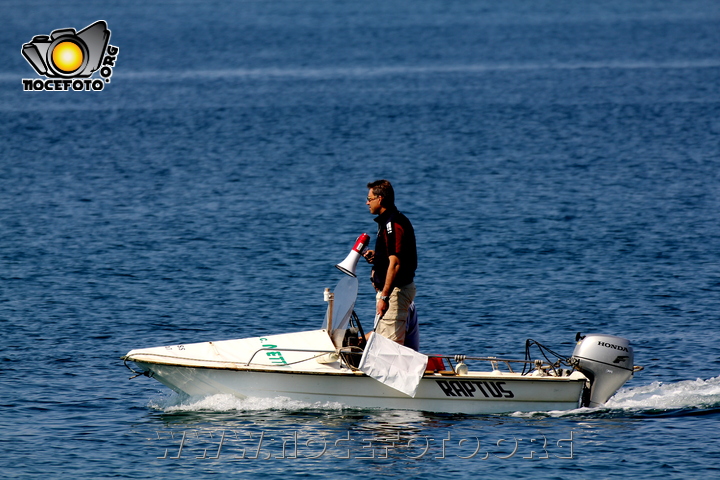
<point x="607" y="361"/>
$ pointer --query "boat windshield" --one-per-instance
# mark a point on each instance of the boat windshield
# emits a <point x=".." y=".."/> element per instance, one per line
<point x="345" y="294"/>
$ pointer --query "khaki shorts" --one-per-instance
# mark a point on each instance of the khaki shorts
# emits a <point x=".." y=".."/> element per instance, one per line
<point x="394" y="323"/>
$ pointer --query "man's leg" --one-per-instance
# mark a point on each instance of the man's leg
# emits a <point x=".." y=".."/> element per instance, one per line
<point x="394" y="323"/>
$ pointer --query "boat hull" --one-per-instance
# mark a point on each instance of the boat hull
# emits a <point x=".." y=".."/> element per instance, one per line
<point x="476" y="393"/>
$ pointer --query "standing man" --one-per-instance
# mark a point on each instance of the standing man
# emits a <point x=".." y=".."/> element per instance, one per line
<point x="394" y="262"/>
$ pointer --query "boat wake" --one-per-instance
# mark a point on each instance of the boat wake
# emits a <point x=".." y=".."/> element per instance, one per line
<point x="684" y="398"/>
<point x="177" y="403"/>
<point x="657" y="396"/>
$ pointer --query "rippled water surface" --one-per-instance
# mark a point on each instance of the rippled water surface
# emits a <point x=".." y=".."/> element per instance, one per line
<point x="559" y="161"/>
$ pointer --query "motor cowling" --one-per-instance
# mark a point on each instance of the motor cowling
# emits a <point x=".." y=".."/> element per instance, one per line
<point x="607" y="361"/>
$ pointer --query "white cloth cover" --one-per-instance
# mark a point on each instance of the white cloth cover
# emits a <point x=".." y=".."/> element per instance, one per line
<point x="345" y="294"/>
<point x="392" y="364"/>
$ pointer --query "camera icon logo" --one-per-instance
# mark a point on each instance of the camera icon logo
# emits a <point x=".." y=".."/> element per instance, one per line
<point x="66" y="53"/>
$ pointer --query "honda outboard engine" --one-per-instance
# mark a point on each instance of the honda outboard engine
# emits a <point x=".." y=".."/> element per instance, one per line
<point x="607" y="361"/>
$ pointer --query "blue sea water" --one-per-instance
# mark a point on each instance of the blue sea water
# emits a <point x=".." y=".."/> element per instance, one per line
<point x="560" y="162"/>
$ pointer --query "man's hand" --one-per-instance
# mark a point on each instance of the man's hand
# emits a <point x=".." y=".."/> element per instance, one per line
<point x="381" y="307"/>
<point x="369" y="256"/>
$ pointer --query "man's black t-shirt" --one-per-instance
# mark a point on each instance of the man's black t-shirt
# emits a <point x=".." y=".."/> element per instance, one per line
<point x="395" y="236"/>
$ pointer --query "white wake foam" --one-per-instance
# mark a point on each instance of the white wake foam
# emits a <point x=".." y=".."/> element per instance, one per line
<point x="657" y="395"/>
<point x="229" y="403"/>
<point x="686" y="394"/>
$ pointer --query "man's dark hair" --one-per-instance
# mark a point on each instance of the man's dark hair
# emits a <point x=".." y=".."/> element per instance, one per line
<point x="384" y="189"/>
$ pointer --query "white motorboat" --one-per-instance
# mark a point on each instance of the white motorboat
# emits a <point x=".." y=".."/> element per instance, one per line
<point x="330" y="365"/>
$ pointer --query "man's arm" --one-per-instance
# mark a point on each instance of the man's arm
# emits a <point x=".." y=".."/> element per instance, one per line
<point x="393" y="268"/>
